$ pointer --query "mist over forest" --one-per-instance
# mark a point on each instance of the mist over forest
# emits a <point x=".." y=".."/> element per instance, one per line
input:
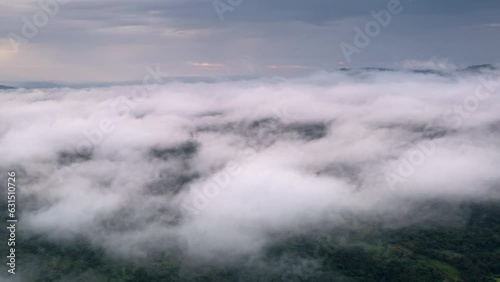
<point x="242" y="180"/>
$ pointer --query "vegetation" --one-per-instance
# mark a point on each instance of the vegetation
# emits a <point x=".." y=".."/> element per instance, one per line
<point x="425" y="252"/>
<point x="3" y="87"/>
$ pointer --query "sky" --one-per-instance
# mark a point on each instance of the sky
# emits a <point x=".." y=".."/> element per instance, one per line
<point x="115" y="40"/>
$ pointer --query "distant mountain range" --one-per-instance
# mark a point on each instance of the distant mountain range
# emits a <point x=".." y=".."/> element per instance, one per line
<point x="40" y="84"/>
<point x="470" y="69"/>
<point x="3" y="87"/>
<point x="50" y="84"/>
<point x="480" y="67"/>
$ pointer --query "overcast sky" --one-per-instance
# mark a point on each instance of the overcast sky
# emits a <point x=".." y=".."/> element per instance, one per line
<point x="114" y="40"/>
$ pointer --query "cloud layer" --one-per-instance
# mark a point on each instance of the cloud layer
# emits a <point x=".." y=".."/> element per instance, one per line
<point x="221" y="168"/>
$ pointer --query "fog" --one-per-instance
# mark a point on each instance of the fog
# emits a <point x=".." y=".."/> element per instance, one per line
<point x="221" y="169"/>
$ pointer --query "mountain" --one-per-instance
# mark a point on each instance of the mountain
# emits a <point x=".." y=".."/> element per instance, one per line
<point x="3" y="87"/>
<point x="39" y="84"/>
<point x="479" y="68"/>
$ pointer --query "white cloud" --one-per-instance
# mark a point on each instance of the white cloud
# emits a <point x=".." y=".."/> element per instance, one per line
<point x="308" y="151"/>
